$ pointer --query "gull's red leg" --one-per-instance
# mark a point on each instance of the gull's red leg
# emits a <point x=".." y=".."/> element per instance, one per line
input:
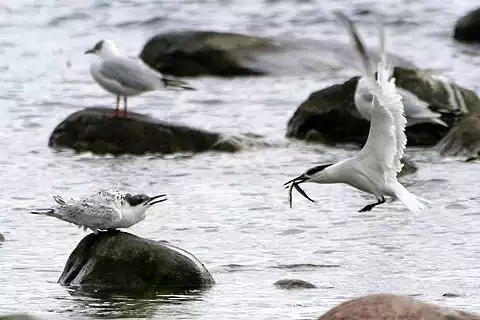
<point x="125" y="106"/>
<point x="118" y="106"/>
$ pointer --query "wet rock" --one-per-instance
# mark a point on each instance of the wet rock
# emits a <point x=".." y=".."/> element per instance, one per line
<point x="450" y="295"/>
<point x="329" y="116"/>
<point x="194" y="53"/>
<point x="467" y="28"/>
<point x="98" y="131"/>
<point x="463" y="139"/>
<point x="18" y="317"/>
<point x="121" y="261"/>
<point x="293" y="284"/>
<point x="408" y="168"/>
<point x="393" y="307"/>
<point x="198" y="53"/>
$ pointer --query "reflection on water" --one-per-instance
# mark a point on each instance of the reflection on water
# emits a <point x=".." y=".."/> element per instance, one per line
<point x="95" y="303"/>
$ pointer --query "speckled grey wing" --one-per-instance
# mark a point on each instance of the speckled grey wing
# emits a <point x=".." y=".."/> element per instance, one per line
<point x="90" y="215"/>
<point x="130" y="73"/>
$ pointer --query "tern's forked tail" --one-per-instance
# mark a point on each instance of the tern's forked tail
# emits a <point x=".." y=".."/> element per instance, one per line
<point x="47" y="212"/>
<point x="412" y="202"/>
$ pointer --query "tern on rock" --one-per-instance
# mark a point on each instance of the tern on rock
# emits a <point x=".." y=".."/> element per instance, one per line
<point x="125" y="77"/>
<point x="374" y="169"/>
<point x="106" y="209"/>
<point x="416" y="110"/>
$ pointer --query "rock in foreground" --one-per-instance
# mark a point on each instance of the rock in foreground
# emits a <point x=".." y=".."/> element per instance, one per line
<point x="467" y="28"/>
<point x="124" y="262"/>
<point x="329" y="115"/>
<point x="463" y="139"/>
<point x="393" y="307"/>
<point x="97" y="130"/>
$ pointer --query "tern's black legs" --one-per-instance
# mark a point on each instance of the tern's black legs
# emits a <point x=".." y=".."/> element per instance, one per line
<point x="369" y="207"/>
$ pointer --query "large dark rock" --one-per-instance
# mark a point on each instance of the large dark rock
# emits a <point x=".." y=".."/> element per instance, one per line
<point x="463" y="139"/>
<point x="393" y="307"/>
<point x="98" y="131"/>
<point x="197" y="53"/>
<point x="329" y="115"/>
<point x="467" y="28"/>
<point x="194" y="53"/>
<point x="121" y="261"/>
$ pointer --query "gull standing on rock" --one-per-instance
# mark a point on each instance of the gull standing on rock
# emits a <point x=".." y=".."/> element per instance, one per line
<point x="125" y="77"/>
<point x="105" y="210"/>
<point x="374" y="169"/>
<point x="416" y="110"/>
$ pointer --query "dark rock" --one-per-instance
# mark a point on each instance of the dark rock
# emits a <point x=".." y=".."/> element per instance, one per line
<point x="117" y="260"/>
<point x="293" y="284"/>
<point x="408" y="168"/>
<point x="98" y="131"/>
<point x="463" y="139"/>
<point x="393" y="307"/>
<point x="18" y="317"/>
<point x="197" y="53"/>
<point x="467" y="28"/>
<point x="194" y="53"/>
<point x="329" y="116"/>
<point x="450" y="295"/>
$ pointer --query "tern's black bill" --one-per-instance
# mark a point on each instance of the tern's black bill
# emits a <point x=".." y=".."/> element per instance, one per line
<point x="294" y="183"/>
<point x="155" y="199"/>
<point x="90" y="51"/>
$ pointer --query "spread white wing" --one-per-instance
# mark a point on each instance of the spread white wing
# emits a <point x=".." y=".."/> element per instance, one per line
<point x="386" y="140"/>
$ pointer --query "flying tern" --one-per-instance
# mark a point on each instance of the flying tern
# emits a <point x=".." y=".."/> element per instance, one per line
<point x="374" y="169"/>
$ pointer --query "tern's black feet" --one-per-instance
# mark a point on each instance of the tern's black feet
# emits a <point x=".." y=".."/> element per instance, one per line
<point x="369" y="207"/>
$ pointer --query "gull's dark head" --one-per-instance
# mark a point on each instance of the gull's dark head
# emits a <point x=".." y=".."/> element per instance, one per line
<point x="103" y="48"/>
<point x="311" y="174"/>
<point x="96" y="49"/>
<point x="143" y="199"/>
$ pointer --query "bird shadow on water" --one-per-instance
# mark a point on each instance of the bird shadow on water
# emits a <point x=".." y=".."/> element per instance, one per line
<point x="110" y="304"/>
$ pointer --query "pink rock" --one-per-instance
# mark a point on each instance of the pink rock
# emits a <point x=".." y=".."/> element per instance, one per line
<point x="393" y="307"/>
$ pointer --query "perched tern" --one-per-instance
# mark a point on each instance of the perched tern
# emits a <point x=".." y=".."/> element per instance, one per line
<point x="416" y="110"/>
<point x="374" y="169"/>
<point x="125" y="77"/>
<point x="105" y="210"/>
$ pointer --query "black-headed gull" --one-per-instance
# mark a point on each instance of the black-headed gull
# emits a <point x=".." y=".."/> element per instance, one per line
<point x="126" y="77"/>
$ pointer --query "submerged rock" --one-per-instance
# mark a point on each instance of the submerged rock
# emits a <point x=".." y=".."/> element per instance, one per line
<point x="329" y="115"/>
<point x="197" y="53"/>
<point x="19" y="316"/>
<point x="463" y="139"/>
<point x="97" y="130"/>
<point x="393" y="307"/>
<point x="293" y="284"/>
<point x="467" y="28"/>
<point x="121" y="261"/>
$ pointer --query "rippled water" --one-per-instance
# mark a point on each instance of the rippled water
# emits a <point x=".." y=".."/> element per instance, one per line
<point x="228" y="210"/>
